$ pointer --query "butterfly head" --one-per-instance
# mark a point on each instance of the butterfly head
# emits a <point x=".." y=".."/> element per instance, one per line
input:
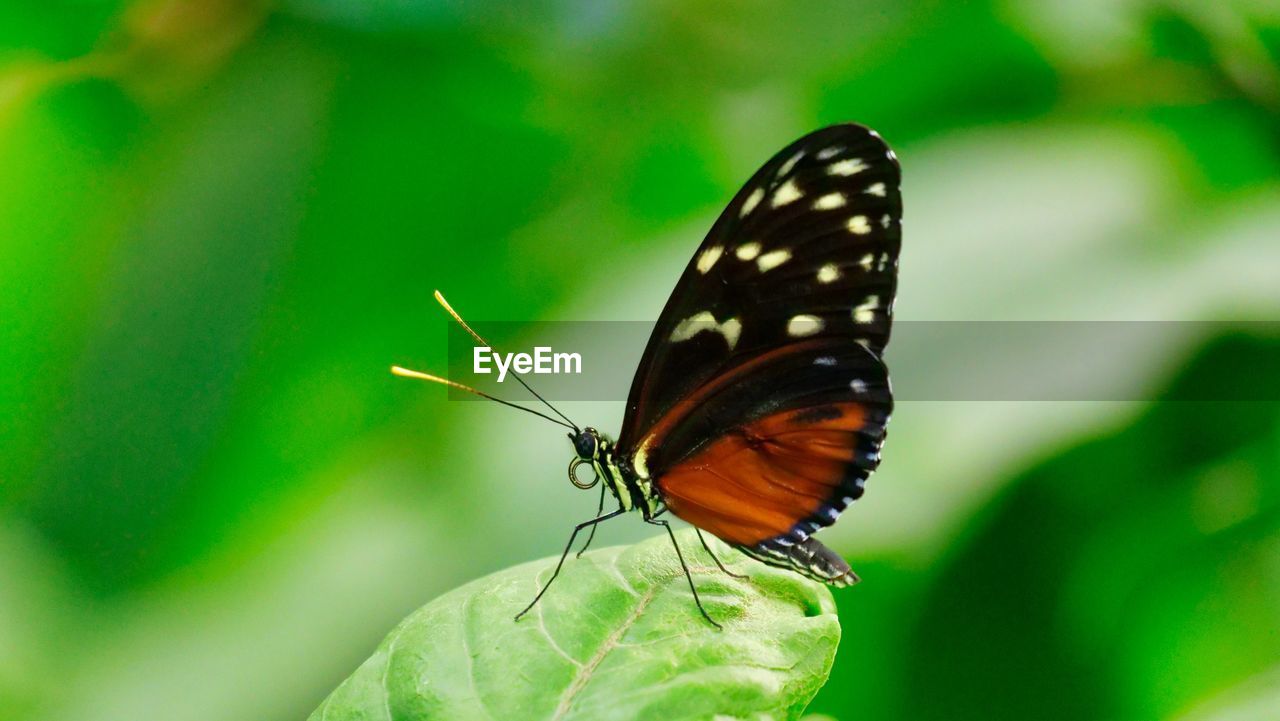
<point x="587" y="443"/>
<point x="591" y="448"/>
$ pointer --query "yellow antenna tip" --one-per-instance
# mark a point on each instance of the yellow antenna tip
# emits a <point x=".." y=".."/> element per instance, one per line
<point x="406" y="373"/>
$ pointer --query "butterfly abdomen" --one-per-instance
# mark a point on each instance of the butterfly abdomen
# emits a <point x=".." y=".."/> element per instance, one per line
<point x="809" y="558"/>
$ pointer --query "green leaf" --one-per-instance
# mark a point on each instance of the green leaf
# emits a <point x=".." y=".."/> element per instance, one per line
<point x="617" y="637"/>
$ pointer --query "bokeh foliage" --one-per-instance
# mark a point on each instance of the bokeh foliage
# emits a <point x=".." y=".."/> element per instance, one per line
<point x="220" y="221"/>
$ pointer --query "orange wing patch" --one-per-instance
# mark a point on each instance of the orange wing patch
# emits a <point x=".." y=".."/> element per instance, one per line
<point x="759" y="480"/>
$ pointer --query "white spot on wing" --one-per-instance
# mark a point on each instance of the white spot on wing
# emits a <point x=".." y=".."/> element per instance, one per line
<point x="865" y="312"/>
<point x="831" y="152"/>
<point x="803" y="325"/>
<point x="858" y="225"/>
<point x="708" y="258"/>
<point x="751" y="202"/>
<point x="829" y="201"/>
<point x="876" y="189"/>
<point x="787" y="166"/>
<point x="867" y="260"/>
<point x="825" y="360"/>
<point x="773" y="259"/>
<point x="731" y="329"/>
<point x="884" y="221"/>
<point x="691" y="326"/>
<point x="747" y="251"/>
<point x="852" y="166"/>
<point x="858" y="386"/>
<point x="786" y="193"/>
<point x="698" y="322"/>
<point x="829" y="273"/>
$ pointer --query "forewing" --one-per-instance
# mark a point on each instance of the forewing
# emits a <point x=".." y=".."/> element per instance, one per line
<point x="808" y="249"/>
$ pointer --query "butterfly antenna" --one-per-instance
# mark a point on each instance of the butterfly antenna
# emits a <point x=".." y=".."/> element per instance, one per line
<point x="449" y="309"/>
<point x="406" y="373"/>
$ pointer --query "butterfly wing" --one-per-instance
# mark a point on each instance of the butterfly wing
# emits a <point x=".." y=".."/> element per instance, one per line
<point x="760" y="402"/>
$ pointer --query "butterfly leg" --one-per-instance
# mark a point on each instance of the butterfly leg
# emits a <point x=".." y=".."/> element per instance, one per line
<point x="687" y="575"/>
<point x="591" y="537"/>
<point x="713" y="556"/>
<point x="567" y="547"/>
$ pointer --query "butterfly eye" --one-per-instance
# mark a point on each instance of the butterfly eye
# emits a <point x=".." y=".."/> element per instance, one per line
<point x="586" y="443"/>
<point x="573" y="474"/>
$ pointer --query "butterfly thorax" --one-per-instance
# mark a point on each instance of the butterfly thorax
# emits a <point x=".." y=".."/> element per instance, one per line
<point x="632" y="491"/>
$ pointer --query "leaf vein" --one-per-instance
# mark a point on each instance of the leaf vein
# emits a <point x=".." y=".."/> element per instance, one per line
<point x="466" y="650"/>
<point x="386" y="673"/>
<point x="545" y="632"/>
<point x="584" y="675"/>
<point x="617" y="572"/>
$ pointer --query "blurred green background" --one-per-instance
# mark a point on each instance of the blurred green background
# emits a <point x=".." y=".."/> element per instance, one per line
<point x="220" y="221"/>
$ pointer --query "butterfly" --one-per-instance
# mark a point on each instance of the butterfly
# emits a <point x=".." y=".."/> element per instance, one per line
<point x="760" y="405"/>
